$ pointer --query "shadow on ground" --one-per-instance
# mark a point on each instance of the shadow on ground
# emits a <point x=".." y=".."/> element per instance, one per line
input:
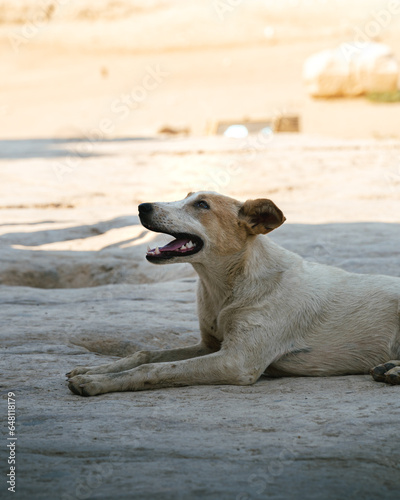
<point x="17" y="149"/>
<point x="359" y="247"/>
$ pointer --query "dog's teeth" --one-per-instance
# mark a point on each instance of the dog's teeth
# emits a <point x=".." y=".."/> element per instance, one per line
<point x="183" y="247"/>
<point x="157" y="251"/>
<point x="189" y="245"/>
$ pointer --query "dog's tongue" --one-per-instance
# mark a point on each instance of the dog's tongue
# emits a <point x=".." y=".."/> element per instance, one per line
<point x="181" y="245"/>
<point x="174" y="245"/>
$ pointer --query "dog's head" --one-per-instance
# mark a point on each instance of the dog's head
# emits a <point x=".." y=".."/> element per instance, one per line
<point x="206" y="224"/>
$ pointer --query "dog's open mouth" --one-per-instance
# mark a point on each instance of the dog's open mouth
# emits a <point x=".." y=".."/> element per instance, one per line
<point x="182" y="246"/>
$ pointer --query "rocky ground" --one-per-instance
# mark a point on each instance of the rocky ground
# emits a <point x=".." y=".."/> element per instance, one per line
<point x="74" y="283"/>
<point x="86" y="87"/>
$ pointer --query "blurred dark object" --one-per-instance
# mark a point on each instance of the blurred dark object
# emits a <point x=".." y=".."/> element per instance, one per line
<point x="168" y="130"/>
<point x="287" y="123"/>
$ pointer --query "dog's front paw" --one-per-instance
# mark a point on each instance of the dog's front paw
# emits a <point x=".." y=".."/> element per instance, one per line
<point x="86" y="385"/>
<point x="79" y="370"/>
<point x="387" y="372"/>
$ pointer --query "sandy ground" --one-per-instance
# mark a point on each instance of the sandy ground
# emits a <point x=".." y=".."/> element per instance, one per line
<point x="75" y="160"/>
<point x="74" y="67"/>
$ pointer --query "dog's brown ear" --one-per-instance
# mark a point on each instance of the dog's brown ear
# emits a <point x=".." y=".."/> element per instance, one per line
<point x="261" y="216"/>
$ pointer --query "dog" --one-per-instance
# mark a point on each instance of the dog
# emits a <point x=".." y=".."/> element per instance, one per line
<point x="262" y="309"/>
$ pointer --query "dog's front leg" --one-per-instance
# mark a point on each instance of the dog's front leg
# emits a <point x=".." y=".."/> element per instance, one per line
<point x="222" y="367"/>
<point x="144" y="357"/>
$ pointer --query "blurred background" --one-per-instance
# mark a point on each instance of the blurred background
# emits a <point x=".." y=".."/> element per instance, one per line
<point x="125" y="68"/>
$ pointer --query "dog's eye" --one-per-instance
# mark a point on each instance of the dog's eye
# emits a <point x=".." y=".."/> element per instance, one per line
<point x="202" y="204"/>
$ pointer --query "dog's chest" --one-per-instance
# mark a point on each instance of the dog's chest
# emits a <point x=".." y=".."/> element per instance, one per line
<point x="208" y="310"/>
<point x="209" y="326"/>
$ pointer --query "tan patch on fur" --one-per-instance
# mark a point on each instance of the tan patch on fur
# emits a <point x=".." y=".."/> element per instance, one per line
<point x="261" y="216"/>
<point x="225" y="230"/>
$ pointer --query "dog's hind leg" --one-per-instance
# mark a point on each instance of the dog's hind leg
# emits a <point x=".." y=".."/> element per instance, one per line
<point x="390" y="372"/>
<point x="387" y="372"/>
<point x="144" y="357"/>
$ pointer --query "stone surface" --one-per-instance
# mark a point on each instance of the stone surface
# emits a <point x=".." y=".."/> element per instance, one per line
<point x="75" y="285"/>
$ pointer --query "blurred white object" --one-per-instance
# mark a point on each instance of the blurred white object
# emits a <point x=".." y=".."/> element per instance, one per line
<point x="236" y="132"/>
<point x="351" y="69"/>
<point x="266" y="131"/>
<point x="269" y="32"/>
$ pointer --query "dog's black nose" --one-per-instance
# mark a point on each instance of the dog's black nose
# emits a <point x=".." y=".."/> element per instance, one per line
<point x="145" y="208"/>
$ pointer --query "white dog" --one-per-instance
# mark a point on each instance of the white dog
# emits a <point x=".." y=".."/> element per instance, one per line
<point x="262" y="309"/>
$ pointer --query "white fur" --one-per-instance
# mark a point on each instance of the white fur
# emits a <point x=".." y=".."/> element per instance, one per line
<point x="261" y="309"/>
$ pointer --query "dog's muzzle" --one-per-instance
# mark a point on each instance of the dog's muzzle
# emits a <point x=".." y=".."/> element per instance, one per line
<point x="183" y="245"/>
